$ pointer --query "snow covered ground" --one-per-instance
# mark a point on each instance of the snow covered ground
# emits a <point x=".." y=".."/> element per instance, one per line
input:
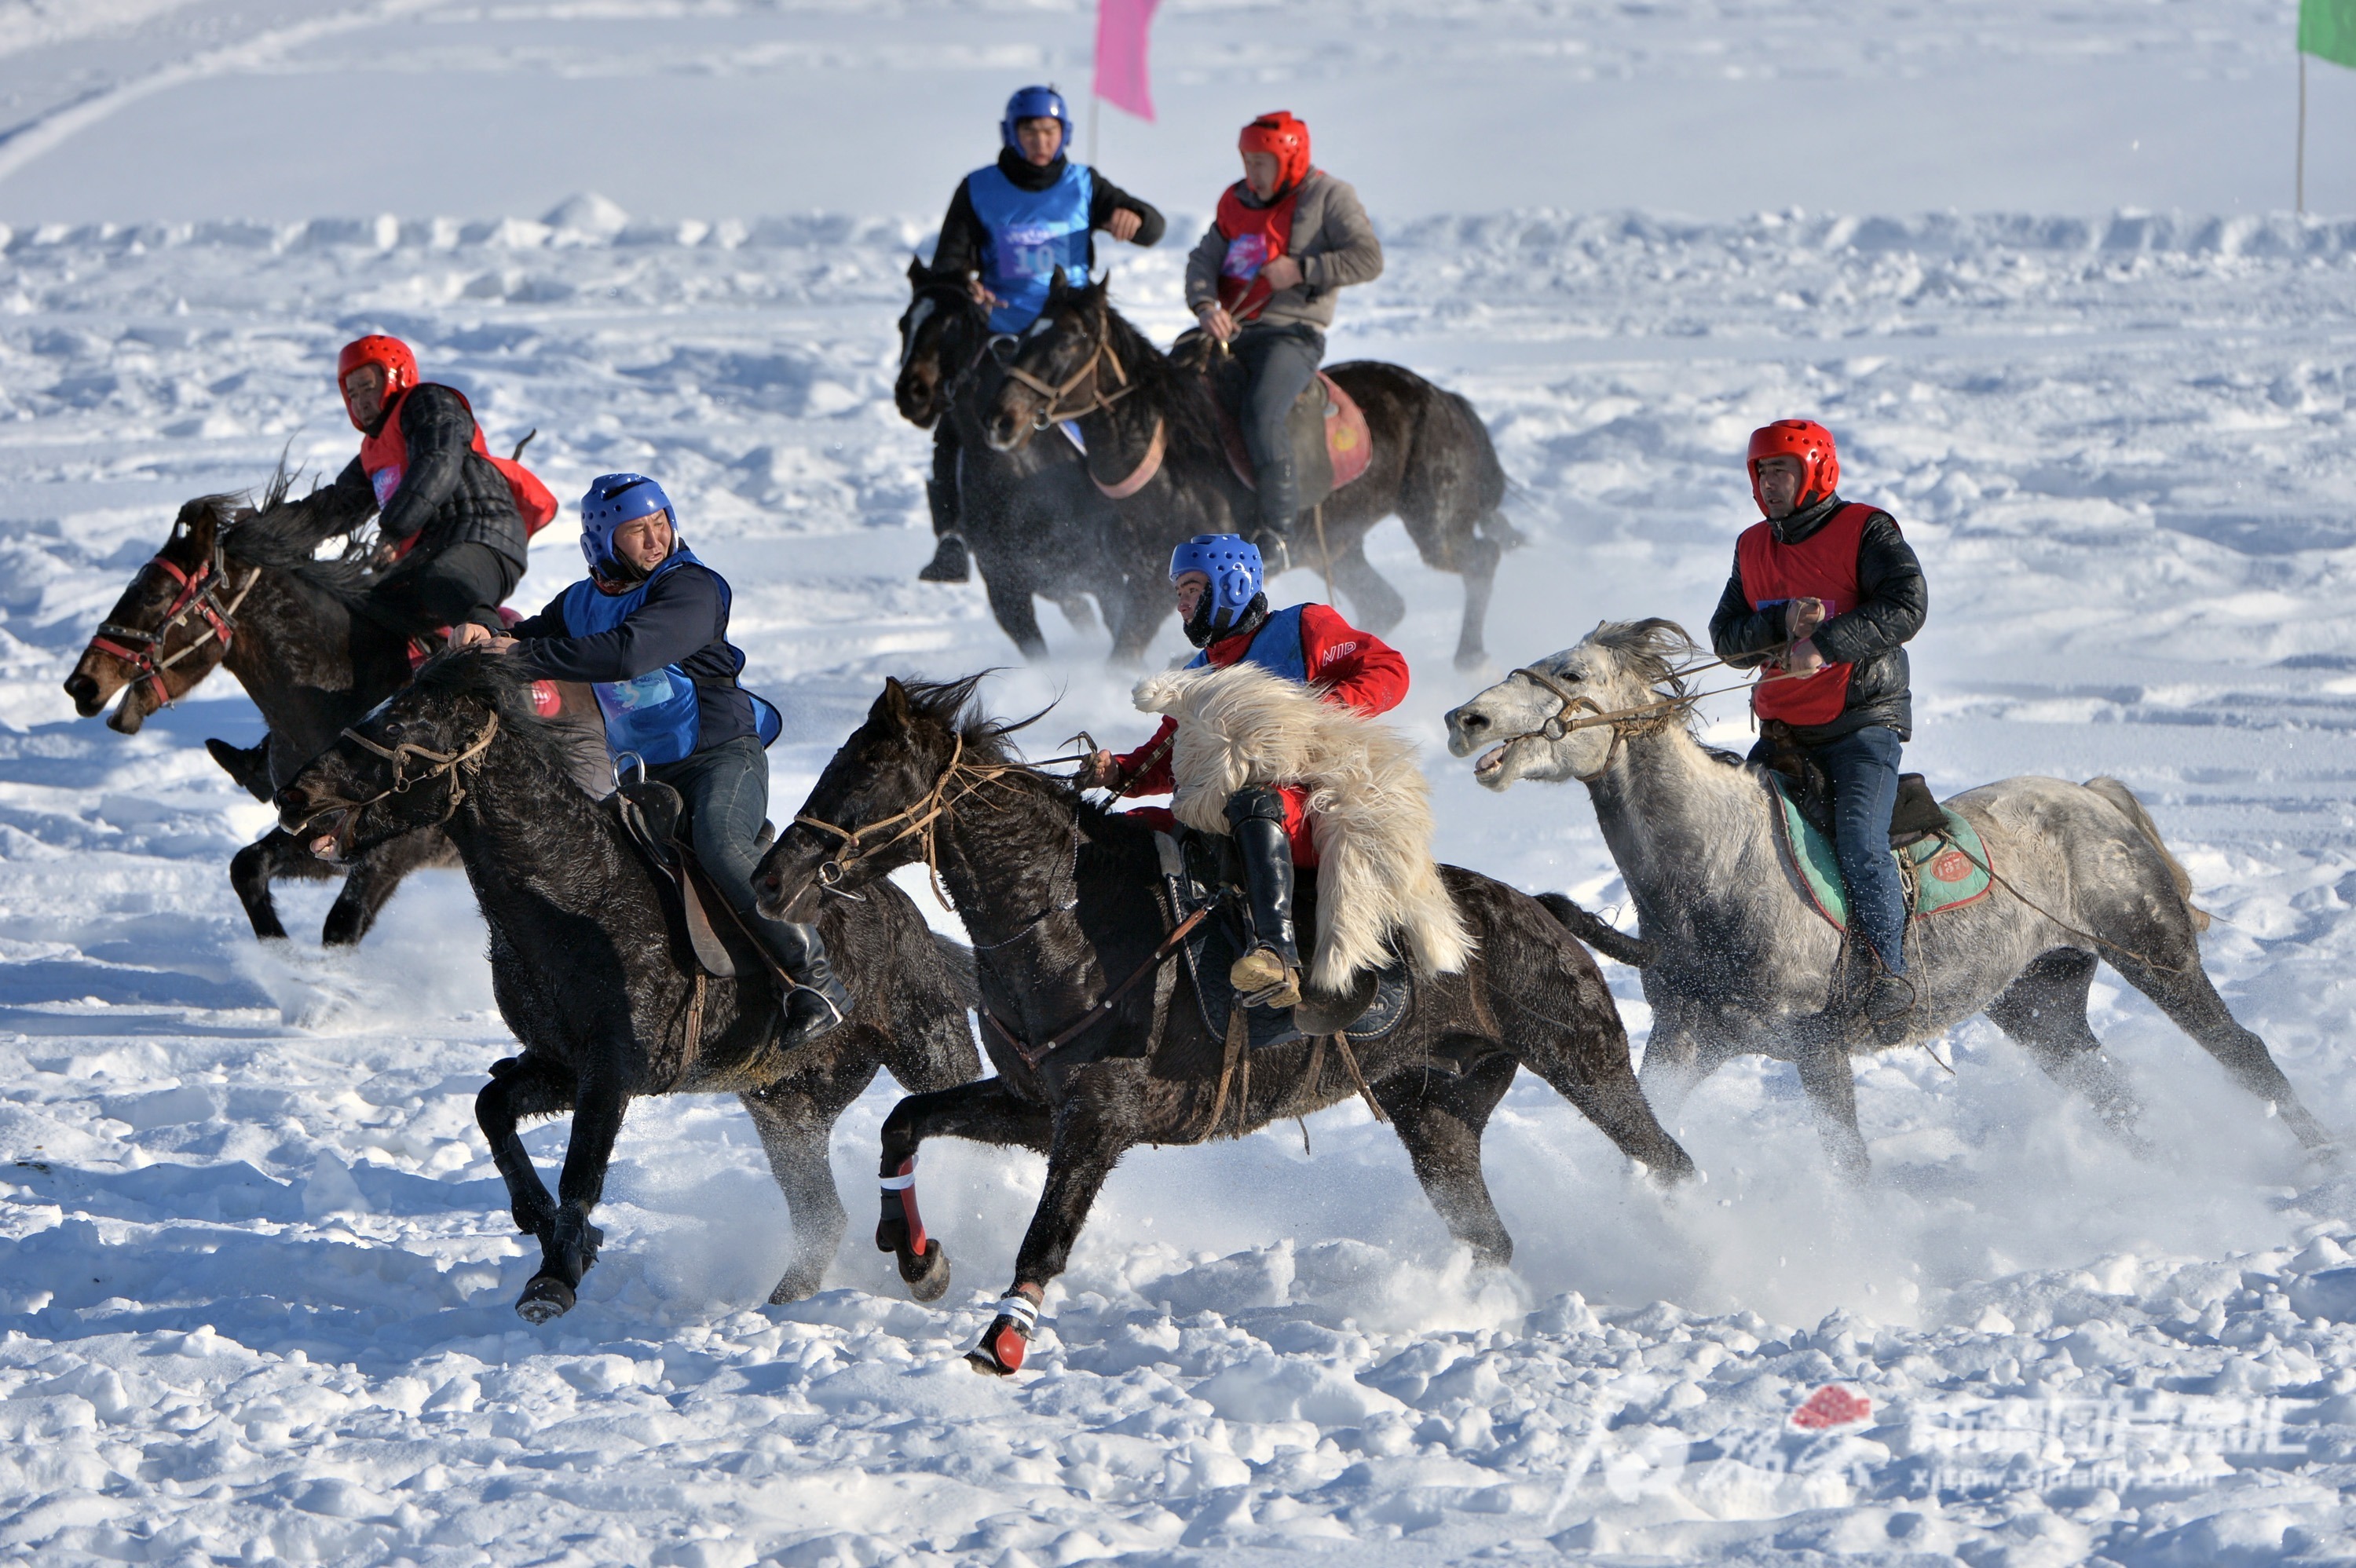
<point x="255" y="1275"/>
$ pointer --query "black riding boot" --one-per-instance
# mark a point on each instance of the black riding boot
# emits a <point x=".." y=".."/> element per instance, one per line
<point x="1269" y="974"/>
<point x="949" y="563"/>
<point x="1866" y="995"/>
<point x="248" y="765"/>
<point x="816" y="1001"/>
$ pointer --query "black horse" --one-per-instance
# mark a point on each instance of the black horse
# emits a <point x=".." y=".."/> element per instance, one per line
<point x="1062" y="902"/>
<point x="241" y="587"/>
<point x="1433" y="465"/>
<point x="584" y="964"/>
<point x="1035" y="525"/>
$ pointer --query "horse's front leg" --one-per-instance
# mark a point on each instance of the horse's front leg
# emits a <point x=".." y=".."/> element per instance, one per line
<point x="1087" y="1147"/>
<point x="984" y="1112"/>
<point x="1831" y="1083"/>
<point x="521" y="1086"/>
<point x="571" y="1242"/>
<point x="1479" y="558"/>
<point x="252" y="869"/>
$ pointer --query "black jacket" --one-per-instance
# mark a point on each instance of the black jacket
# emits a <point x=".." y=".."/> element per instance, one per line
<point x="449" y="493"/>
<point x="683" y="621"/>
<point x="1871" y="637"/>
<point x="959" y="248"/>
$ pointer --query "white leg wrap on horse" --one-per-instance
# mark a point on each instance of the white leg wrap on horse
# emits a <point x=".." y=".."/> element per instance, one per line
<point x="1020" y="1308"/>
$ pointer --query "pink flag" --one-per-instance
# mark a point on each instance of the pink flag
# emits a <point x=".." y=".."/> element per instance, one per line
<point x="1120" y="55"/>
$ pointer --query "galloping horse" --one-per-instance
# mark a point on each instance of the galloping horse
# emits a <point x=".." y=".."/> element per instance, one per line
<point x="1153" y="441"/>
<point x="583" y="963"/>
<point x="1735" y="957"/>
<point x="1062" y="901"/>
<point x="1033" y="522"/>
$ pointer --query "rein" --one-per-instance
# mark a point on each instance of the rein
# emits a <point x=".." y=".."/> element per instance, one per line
<point x="442" y="764"/>
<point x="1622" y="720"/>
<point x="199" y="595"/>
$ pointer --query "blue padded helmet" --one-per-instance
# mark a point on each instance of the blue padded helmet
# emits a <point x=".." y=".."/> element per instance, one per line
<point x="613" y="500"/>
<point x="1232" y="563"/>
<point x="1035" y="103"/>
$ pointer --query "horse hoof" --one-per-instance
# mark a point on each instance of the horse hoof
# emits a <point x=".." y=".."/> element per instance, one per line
<point x="544" y="1300"/>
<point x="928" y="1277"/>
<point x="1004" y="1346"/>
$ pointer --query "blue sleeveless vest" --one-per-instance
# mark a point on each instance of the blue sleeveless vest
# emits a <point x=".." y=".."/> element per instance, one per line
<point x="1029" y="234"/>
<point x="657" y="715"/>
<point x="1275" y="648"/>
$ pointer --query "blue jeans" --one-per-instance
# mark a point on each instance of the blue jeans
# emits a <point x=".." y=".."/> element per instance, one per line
<point x="726" y="788"/>
<point x="1863" y="767"/>
<point x="1279" y="362"/>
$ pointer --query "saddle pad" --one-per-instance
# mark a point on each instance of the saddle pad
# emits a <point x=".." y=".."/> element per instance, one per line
<point x="1322" y="465"/>
<point x="1947" y="870"/>
<point x="1214" y="948"/>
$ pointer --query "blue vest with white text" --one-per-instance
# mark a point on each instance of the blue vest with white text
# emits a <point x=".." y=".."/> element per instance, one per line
<point x="1275" y="648"/>
<point x="1027" y="235"/>
<point x="657" y="715"/>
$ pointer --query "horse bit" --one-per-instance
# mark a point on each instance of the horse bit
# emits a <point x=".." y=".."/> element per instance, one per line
<point x="199" y="594"/>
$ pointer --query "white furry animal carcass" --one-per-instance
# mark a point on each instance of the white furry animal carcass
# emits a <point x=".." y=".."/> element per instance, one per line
<point x="1369" y="806"/>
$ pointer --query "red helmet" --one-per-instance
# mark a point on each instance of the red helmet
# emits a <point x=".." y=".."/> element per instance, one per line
<point x="1809" y="441"/>
<point x="1278" y="134"/>
<point x="390" y="355"/>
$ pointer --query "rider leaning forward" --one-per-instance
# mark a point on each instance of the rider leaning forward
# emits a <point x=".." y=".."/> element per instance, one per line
<point x="1262" y="279"/>
<point x="650" y="631"/>
<point x="1827" y="593"/>
<point x="1219" y="580"/>
<point x="1010" y="227"/>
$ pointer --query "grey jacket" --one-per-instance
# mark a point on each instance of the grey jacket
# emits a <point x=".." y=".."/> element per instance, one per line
<point x="1331" y="239"/>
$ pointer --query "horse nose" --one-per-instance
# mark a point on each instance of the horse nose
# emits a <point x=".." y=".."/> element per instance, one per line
<point x="83" y="689"/>
<point x="292" y="802"/>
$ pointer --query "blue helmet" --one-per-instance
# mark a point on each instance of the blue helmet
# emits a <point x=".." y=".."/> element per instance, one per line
<point x="1035" y="103"/>
<point x="613" y="500"/>
<point x="1232" y="563"/>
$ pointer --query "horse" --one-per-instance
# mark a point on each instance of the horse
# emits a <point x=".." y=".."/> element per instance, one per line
<point x="584" y="971"/>
<point x="1153" y="441"/>
<point x="1035" y="523"/>
<point x="1735" y="958"/>
<point x="1074" y="949"/>
<point x="239" y="587"/>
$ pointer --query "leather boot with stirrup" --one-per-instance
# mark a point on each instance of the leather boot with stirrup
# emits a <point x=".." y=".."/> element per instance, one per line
<point x="1865" y="992"/>
<point x="1269" y="974"/>
<point x="815" y="1002"/>
<point x="949" y="562"/>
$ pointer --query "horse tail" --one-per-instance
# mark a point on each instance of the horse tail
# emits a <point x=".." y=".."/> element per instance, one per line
<point x="1590" y="928"/>
<point x="959" y="959"/>
<point x="2119" y="795"/>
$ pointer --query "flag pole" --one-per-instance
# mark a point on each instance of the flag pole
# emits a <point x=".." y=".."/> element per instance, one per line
<point x="1095" y="103"/>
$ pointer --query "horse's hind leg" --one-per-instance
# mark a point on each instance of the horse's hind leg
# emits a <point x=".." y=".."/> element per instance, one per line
<point x="2174" y="979"/>
<point x="1441" y="1123"/>
<point x="1374" y="603"/>
<point x="1478" y="560"/>
<point x="1831" y="1085"/>
<point x="252" y="869"/>
<point x="2044" y="1009"/>
<point x="1018" y="618"/>
<point x="372" y="882"/>
<point x="985" y="1112"/>
<point x="795" y="1119"/>
<point x="1589" y="1067"/>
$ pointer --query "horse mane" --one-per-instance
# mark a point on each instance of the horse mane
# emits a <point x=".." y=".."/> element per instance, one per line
<point x="285" y="536"/>
<point x="1654" y="650"/>
<point x="1183" y="395"/>
<point x="504" y="684"/>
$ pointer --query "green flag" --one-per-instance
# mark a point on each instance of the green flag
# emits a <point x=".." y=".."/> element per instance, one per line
<point x="2327" y="29"/>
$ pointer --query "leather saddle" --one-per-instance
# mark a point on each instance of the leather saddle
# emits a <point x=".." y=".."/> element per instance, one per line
<point x="1331" y="443"/>
<point x="654" y="815"/>
<point x="1200" y="871"/>
<point x="1916" y="816"/>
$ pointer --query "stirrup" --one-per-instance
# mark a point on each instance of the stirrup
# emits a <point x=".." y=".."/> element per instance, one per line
<point x="1249" y="975"/>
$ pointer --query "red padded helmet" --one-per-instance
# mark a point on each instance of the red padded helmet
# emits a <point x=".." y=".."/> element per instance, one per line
<point x="1809" y="441"/>
<point x="390" y="355"/>
<point x="1277" y="133"/>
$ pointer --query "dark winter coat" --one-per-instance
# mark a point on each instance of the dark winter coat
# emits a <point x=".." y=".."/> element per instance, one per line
<point x="962" y="235"/>
<point x="449" y="493"/>
<point x="1871" y="637"/>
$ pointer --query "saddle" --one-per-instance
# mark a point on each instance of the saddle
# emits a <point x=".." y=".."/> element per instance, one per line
<point x="1203" y="871"/>
<point x="1944" y="867"/>
<point x="1331" y="443"/>
<point x="652" y="814"/>
<point x="1916" y="816"/>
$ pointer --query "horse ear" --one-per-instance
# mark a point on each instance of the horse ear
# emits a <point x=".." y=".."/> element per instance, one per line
<point x="1059" y="287"/>
<point x="894" y="704"/>
<point x="918" y="271"/>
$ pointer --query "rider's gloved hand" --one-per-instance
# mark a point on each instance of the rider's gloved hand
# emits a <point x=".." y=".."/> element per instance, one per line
<point x="1215" y="320"/>
<point x="1102" y="771"/>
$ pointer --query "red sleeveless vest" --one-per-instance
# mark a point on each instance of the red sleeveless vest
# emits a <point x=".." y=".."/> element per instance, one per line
<point x="1822" y="566"/>
<point x="384" y="457"/>
<point x="1255" y="235"/>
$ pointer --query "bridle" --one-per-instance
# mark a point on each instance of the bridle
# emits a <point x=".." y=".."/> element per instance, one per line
<point x="441" y="765"/>
<point x="199" y="596"/>
<point x="1053" y="411"/>
<point x="1642" y="718"/>
<point x="952" y="303"/>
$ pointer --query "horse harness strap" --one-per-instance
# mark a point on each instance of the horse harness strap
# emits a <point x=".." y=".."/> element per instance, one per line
<point x="1033" y="1055"/>
<point x="1147" y="467"/>
<point x="199" y="595"/>
<point x="1621" y="720"/>
<point x="1054" y="412"/>
<point x="442" y="764"/>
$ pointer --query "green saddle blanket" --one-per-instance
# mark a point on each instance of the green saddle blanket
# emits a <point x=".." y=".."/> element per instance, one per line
<point x="1945" y="870"/>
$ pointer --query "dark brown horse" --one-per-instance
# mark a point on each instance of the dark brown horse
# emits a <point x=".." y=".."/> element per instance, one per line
<point x="1062" y="902"/>
<point x="1433" y="466"/>
<point x="241" y="587"/>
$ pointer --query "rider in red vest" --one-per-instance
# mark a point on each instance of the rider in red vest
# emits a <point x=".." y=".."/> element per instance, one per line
<point x="1827" y="594"/>
<point x="1218" y="579"/>
<point x="1262" y="278"/>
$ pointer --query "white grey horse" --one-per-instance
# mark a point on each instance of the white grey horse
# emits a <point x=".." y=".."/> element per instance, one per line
<point x="1737" y="960"/>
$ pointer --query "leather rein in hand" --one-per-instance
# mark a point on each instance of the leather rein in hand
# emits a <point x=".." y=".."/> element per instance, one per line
<point x="199" y="595"/>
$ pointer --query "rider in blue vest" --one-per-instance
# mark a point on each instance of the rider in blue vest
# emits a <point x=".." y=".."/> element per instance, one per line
<point x="649" y="631"/>
<point x="1009" y="228"/>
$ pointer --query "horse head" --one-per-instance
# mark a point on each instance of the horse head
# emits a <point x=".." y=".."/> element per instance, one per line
<point x="408" y="762"/>
<point x="1562" y="717"/>
<point x="874" y="804"/>
<point x="1054" y="371"/>
<point x="941" y="331"/>
<point x="170" y="629"/>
